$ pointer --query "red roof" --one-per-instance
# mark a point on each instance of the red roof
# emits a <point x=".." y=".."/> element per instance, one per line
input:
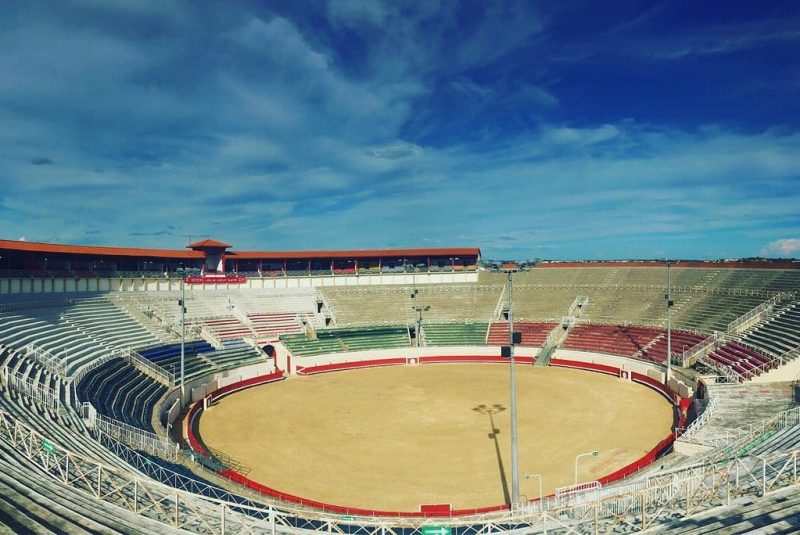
<point x="358" y="253"/>
<point x="38" y="247"/>
<point x="208" y="244"/>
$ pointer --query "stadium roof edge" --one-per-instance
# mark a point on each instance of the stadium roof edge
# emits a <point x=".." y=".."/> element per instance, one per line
<point x="41" y="247"/>
<point x="57" y="248"/>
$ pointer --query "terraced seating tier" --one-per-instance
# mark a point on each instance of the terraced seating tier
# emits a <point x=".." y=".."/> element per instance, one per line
<point x="122" y="392"/>
<point x="200" y="357"/>
<point x="372" y="305"/>
<point x="533" y="334"/>
<point x="347" y="339"/>
<point x="745" y="361"/>
<point x="612" y="339"/>
<point x="681" y="341"/>
<point x="455" y="334"/>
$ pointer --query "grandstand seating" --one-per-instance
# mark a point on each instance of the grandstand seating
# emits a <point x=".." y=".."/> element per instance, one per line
<point x="269" y="325"/>
<point x="90" y="327"/>
<point x="72" y="332"/>
<point x="612" y="339"/>
<point x="373" y="305"/>
<point x="780" y="333"/>
<point x="34" y="502"/>
<point x="681" y="341"/>
<point x="120" y="391"/>
<point x="533" y="334"/>
<point x="347" y="339"/>
<point x="228" y="328"/>
<point x="455" y="334"/>
<point x="786" y="439"/>
<point x="201" y="358"/>
<point x="738" y="405"/>
<point x="777" y="512"/>
<point x="745" y="361"/>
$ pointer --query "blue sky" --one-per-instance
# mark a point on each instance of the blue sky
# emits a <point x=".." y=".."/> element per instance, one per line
<point x="561" y="129"/>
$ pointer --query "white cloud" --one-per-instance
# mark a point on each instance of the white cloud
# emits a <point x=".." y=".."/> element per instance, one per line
<point x="783" y="248"/>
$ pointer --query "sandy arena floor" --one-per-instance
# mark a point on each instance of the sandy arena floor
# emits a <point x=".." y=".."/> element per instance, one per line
<point x="394" y="438"/>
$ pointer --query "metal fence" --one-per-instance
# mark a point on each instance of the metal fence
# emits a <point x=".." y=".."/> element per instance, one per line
<point x="47" y="360"/>
<point x="127" y="434"/>
<point x="30" y="388"/>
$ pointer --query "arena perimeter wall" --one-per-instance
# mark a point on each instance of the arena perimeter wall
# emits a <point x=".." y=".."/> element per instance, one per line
<point x="369" y="360"/>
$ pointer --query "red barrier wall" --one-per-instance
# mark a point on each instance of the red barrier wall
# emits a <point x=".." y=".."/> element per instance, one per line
<point x="625" y="471"/>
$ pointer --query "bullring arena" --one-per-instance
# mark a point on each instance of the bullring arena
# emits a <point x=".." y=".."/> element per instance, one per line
<point x="220" y="391"/>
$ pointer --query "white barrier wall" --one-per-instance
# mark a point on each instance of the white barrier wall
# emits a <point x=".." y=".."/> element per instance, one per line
<point x="156" y="284"/>
<point x="198" y="388"/>
<point x="651" y="369"/>
<point x="407" y="352"/>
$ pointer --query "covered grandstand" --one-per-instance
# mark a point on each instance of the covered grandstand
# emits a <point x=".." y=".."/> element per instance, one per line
<point x="91" y="408"/>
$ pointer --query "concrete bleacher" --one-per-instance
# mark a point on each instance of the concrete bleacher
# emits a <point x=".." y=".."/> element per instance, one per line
<point x="738" y="405"/>
<point x="533" y="334"/>
<point x="706" y="299"/>
<point x="228" y="328"/>
<point x="455" y="334"/>
<point x="63" y="426"/>
<point x="780" y="333"/>
<point x="348" y="339"/>
<point x="34" y="502"/>
<point x="122" y="392"/>
<point x="78" y="332"/>
<point x="373" y="305"/>
<point x="782" y="440"/>
<point x="777" y="512"/>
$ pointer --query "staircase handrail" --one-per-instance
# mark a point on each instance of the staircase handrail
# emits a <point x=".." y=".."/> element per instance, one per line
<point x="757" y="313"/>
<point x="150" y="368"/>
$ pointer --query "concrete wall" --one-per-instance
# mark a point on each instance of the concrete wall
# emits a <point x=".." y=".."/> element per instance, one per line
<point x="156" y="284"/>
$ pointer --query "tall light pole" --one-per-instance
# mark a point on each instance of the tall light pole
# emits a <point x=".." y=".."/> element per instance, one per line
<point x="669" y="326"/>
<point x="182" y="304"/>
<point x="510" y="269"/>
<point x="593" y="453"/>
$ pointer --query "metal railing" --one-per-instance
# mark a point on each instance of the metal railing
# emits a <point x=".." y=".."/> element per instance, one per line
<point x="30" y="388"/>
<point x="46" y="359"/>
<point x="628" y="507"/>
<point x="758" y="313"/>
<point x="149" y="368"/>
<point x="133" y="436"/>
<point x="700" y="421"/>
<point x="95" y="363"/>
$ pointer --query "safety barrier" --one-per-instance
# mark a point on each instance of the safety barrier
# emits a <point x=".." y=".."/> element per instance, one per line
<point x="135" y="437"/>
<point x="47" y="360"/>
<point x="17" y="382"/>
<point x="660" y="448"/>
<point x="150" y="368"/>
<point x="758" y="313"/>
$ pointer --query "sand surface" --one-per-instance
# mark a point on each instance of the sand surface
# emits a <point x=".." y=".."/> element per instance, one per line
<point x="397" y="437"/>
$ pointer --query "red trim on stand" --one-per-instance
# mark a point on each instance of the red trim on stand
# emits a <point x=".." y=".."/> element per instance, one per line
<point x="431" y="511"/>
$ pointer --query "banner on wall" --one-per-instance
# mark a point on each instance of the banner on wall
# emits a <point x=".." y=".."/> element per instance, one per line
<point x="225" y="279"/>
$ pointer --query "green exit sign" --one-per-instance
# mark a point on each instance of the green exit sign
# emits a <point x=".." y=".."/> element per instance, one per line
<point x="436" y="530"/>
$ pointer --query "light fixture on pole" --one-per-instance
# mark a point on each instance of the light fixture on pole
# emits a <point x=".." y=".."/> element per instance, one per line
<point x="539" y="476"/>
<point x="593" y="453"/>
